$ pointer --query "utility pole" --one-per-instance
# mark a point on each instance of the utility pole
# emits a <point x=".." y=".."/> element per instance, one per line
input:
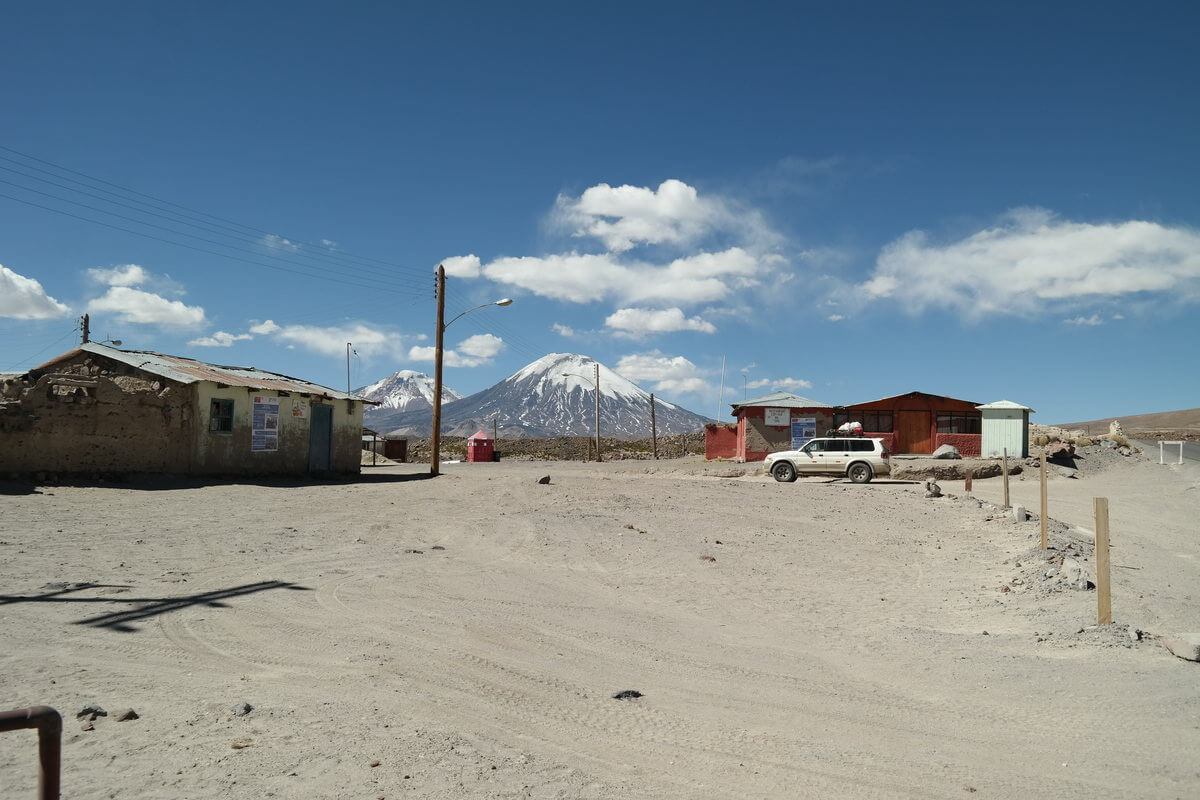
<point x="721" y="399"/>
<point x="495" y="432"/>
<point x="598" y="458"/>
<point x="435" y="458"/>
<point x="653" y="427"/>
<point x="347" y="368"/>
<point x="87" y="331"/>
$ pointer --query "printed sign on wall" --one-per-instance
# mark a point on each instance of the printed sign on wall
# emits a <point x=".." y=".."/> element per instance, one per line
<point x="804" y="430"/>
<point x="776" y="417"/>
<point x="299" y="408"/>
<point x="264" y="424"/>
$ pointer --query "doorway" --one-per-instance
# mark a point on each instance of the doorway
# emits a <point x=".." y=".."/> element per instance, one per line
<point x="320" y="437"/>
<point x="913" y="432"/>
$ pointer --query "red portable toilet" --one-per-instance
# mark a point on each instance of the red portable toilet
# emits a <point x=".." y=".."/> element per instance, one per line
<point x="480" y="447"/>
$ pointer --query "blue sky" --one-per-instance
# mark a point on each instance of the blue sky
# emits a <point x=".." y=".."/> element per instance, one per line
<point x="980" y="201"/>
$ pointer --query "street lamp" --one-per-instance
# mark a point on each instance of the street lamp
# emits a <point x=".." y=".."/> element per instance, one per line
<point x="596" y="384"/>
<point x="435" y="458"/>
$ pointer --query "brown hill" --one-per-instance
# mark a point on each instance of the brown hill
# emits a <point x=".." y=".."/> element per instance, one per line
<point x="1162" y="421"/>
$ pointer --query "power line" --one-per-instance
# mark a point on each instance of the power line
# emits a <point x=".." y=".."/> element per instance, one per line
<point x="190" y="210"/>
<point x="339" y="279"/>
<point x="408" y="284"/>
<point x="321" y="259"/>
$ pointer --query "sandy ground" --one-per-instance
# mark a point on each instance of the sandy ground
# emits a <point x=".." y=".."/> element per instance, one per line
<point x="834" y="647"/>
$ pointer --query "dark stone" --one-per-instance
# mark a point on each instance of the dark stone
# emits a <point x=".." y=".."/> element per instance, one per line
<point x="544" y="479"/>
<point x="241" y="709"/>
<point x="628" y="694"/>
<point x="91" y="711"/>
<point x="126" y="714"/>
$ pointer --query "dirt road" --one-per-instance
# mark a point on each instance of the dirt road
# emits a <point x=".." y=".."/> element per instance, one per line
<point x="463" y="637"/>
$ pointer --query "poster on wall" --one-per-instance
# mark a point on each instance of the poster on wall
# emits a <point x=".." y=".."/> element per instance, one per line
<point x="804" y="429"/>
<point x="299" y="408"/>
<point x="775" y="417"/>
<point x="264" y="424"/>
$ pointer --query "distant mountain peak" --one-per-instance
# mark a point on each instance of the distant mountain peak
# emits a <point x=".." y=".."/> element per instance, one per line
<point x="552" y="396"/>
<point x="406" y="390"/>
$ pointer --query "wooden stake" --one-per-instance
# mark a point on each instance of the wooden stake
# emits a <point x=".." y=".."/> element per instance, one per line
<point x="967" y="482"/>
<point x="1004" y="468"/>
<point x="1103" y="583"/>
<point x="653" y="427"/>
<point x="1045" y="508"/>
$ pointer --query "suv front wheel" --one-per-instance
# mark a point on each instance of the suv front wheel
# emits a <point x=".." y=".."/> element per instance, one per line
<point x="784" y="472"/>
<point x="859" y="472"/>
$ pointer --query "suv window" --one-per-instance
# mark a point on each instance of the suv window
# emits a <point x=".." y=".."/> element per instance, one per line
<point x="815" y="446"/>
<point x="862" y="445"/>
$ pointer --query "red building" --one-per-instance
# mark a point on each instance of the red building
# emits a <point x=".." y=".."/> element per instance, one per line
<point x="917" y="422"/>
<point x="767" y="424"/>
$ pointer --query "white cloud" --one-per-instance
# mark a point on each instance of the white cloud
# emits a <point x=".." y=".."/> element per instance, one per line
<point x="219" y="339"/>
<point x="1093" y="320"/>
<point x="584" y="278"/>
<point x="471" y="352"/>
<point x="369" y="340"/>
<point x="462" y="266"/>
<point x="329" y="244"/>
<point x="780" y="383"/>
<point x="624" y="217"/>
<point x="563" y="330"/>
<point x="481" y="345"/>
<point x="836" y="317"/>
<point x="642" y="321"/>
<point x="122" y="275"/>
<point x="24" y="298"/>
<point x="668" y="373"/>
<point x="274" y="242"/>
<point x="145" y="308"/>
<point x="1031" y="260"/>
<point x="263" y="328"/>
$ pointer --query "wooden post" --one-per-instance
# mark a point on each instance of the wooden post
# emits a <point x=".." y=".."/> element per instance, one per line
<point x="374" y="446"/>
<point x="1045" y="515"/>
<point x="598" y="411"/>
<point x="1103" y="584"/>
<point x="967" y="482"/>
<point x="435" y="452"/>
<point x="1004" y="469"/>
<point x="653" y="427"/>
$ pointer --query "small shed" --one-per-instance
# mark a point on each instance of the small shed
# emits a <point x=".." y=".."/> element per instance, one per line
<point x="777" y="421"/>
<point x="480" y="447"/>
<point x="1005" y="427"/>
<point x="395" y="448"/>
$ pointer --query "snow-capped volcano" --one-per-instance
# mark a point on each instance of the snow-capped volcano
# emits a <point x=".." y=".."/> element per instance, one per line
<point x="405" y="390"/>
<point x="553" y="396"/>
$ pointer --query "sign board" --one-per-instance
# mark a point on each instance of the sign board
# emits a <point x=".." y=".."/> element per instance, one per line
<point x="299" y="408"/>
<point x="804" y="430"/>
<point x="776" y="417"/>
<point x="264" y="424"/>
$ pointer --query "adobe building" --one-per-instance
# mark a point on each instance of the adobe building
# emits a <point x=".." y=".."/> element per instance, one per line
<point x="98" y="409"/>
<point x="917" y="423"/>
<point x="767" y="424"/>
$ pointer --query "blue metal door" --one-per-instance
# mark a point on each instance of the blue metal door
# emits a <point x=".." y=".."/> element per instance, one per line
<point x="320" y="437"/>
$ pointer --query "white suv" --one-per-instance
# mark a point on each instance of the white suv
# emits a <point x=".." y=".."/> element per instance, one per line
<point x="856" y="457"/>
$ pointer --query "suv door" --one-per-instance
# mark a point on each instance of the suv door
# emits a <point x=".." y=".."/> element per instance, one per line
<point x="812" y="457"/>
<point x="837" y="454"/>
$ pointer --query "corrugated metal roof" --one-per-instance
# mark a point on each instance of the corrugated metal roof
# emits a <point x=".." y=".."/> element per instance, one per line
<point x="188" y="370"/>
<point x="911" y="394"/>
<point x="781" y="400"/>
<point x="1007" y="404"/>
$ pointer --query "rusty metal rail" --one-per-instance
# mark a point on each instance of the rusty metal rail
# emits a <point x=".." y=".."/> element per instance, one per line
<point x="49" y="727"/>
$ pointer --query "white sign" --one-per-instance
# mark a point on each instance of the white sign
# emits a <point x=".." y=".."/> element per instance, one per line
<point x="299" y="408"/>
<point x="264" y="424"/>
<point x="776" y="417"/>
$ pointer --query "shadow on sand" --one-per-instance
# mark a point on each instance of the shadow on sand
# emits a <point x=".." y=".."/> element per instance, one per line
<point x="149" y="606"/>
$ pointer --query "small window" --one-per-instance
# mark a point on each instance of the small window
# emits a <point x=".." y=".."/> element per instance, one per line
<point x="815" y="446"/>
<point x="862" y="445"/>
<point x="958" y="423"/>
<point x="872" y="421"/>
<point x="220" y="416"/>
<point x="840" y="419"/>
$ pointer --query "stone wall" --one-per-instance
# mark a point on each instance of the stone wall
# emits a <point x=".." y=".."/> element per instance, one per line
<point x="80" y="418"/>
